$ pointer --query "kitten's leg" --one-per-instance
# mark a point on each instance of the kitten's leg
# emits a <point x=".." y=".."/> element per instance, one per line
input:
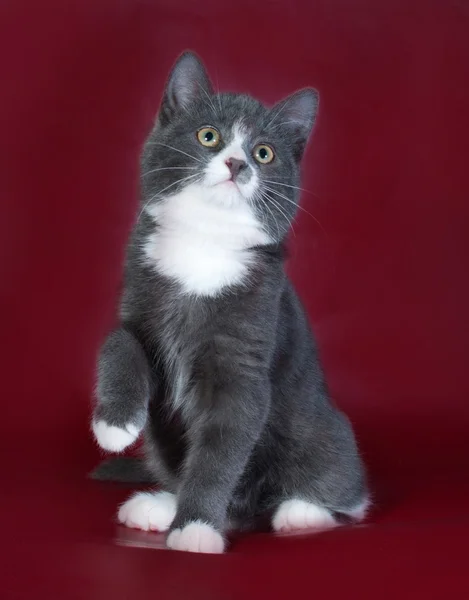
<point x="123" y="392"/>
<point x="323" y="489"/>
<point x="219" y="451"/>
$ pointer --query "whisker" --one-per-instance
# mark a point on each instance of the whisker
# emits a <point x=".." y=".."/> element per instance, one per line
<point x="279" y="208"/>
<point x="284" y="123"/>
<point x="159" y="192"/>
<point x="173" y="148"/>
<point x="296" y="205"/>
<point x="269" y="124"/>
<point x="218" y="92"/>
<point x="294" y="187"/>
<point x="259" y="196"/>
<point x="279" y="194"/>
<point x="166" y="169"/>
<point x="210" y="102"/>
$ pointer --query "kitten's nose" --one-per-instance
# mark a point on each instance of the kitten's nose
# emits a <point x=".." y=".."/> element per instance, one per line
<point x="235" y="165"/>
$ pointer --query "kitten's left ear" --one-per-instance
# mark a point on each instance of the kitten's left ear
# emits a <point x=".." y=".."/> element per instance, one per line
<point x="297" y="113"/>
<point x="187" y="81"/>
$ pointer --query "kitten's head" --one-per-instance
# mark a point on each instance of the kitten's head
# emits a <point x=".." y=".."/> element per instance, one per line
<point x="229" y="147"/>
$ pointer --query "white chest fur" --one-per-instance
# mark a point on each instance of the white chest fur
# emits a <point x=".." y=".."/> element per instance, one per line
<point x="201" y="243"/>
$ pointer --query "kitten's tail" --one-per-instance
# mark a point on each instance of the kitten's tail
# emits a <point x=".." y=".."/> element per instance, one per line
<point x="123" y="469"/>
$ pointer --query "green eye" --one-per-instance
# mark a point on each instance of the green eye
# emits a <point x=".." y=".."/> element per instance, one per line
<point x="208" y="136"/>
<point x="263" y="154"/>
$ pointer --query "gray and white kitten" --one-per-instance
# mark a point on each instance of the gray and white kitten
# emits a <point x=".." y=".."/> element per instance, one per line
<point x="214" y="359"/>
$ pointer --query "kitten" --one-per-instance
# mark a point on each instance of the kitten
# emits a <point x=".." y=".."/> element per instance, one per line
<point x="214" y="359"/>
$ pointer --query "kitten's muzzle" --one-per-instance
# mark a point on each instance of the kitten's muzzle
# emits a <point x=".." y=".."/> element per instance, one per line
<point x="235" y="165"/>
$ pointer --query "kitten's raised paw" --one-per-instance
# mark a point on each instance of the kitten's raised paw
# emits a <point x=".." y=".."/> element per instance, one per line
<point x="294" y="515"/>
<point x="148" y="511"/>
<point x="196" y="537"/>
<point x="112" y="438"/>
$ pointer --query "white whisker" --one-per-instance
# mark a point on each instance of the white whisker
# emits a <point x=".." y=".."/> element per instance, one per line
<point x="296" y="205"/>
<point x="218" y="93"/>
<point x="258" y="195"/>
<point x="173" y="148"/>
<point x="166" y="169"/>
<point x="281" y="211"/>
<point x="281" y="195"/>
<point x="210" y="102"/>
<point x="164" y="190"/>
<point x="284" y="123"/>
<point x="293" y="187"/>
<point x="269" y="124"/>
<point x="159" y="192"/>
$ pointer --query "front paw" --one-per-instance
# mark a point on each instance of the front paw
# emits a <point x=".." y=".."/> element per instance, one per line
<point x="196" y="537"/>
<point x="148" y="511"/>
<point x="112" y="438"/>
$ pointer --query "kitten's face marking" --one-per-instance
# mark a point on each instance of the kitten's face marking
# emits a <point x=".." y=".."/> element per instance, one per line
<point x="232" y="185"/>
<point x="220" y="177"/>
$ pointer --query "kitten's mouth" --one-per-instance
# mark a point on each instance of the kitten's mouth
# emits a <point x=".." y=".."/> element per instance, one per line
<point x="229" y="189"/>
<point x="228" y="184"/>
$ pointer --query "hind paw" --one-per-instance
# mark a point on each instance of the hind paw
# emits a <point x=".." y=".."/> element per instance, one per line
<point x="295" y="515"/>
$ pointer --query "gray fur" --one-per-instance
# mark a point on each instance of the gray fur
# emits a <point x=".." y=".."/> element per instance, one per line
<point x="123" y="469"/>
<point x="253" y="424"/>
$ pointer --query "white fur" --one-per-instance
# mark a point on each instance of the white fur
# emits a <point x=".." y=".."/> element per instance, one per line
<point x="202" y="244"/>
<point x="218" y="172"/>
<point x="205" y="231"/>
<point x="112" y="438"/>
<point x="359" y="512"/>
<point x="196" y="537"/>
<point x="294" y="515"/>
<point x="148" y="511"/>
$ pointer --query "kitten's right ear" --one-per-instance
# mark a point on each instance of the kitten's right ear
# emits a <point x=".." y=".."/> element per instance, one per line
<point x="187" y="81"/>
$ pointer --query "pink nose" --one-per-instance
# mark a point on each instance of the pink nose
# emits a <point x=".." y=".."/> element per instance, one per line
<point x="235" y="165"/>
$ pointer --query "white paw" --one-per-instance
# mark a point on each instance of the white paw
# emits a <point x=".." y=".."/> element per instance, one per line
<point x="148" y="511"/>
<point x="112" y="438"/>
<point x="196" y="537"/>
<point x="359" y="512"/>
<point x="294" y="515"/>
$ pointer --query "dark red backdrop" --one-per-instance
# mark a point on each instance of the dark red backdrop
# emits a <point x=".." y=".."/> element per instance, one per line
<point x="382" y="267"/>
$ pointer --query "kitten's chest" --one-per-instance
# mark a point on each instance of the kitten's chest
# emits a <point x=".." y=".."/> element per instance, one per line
<point x="184" y="331"/>
<point x="202" y="246"/>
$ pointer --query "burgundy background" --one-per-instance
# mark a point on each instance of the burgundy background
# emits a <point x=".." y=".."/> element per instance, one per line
<point x="384" y="275"/>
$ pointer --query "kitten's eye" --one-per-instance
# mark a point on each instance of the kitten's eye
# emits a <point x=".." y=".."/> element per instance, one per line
<point x="263" y="154"/>
<point x="208" y="136"/>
